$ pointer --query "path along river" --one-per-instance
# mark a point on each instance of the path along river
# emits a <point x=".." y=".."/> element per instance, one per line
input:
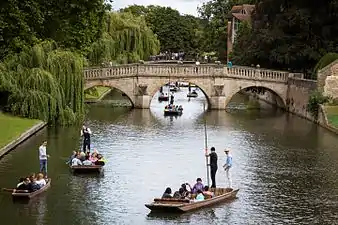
<point x="285" y="167"/>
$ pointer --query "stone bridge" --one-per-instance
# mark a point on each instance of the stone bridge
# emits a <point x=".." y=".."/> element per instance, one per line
<point x="140" y="82"/>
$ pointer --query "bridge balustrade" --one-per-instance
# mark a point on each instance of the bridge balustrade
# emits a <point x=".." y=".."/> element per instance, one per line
<point x="185" y="71"/>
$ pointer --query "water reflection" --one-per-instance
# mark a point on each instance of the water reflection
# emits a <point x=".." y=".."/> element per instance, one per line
<point x="285" y="167"/>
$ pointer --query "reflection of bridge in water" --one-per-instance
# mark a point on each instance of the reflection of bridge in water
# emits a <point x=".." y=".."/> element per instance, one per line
<point x="218" y="83"/>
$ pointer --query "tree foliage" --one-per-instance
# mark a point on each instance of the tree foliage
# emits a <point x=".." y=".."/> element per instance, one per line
<point x="175" y="32"/>
<point x="72" y="24"/>
<point x="44" y="82"/>
<point x="215" y="14"/>
<point x="126" y="39"/>
<point x="291" y="34"/>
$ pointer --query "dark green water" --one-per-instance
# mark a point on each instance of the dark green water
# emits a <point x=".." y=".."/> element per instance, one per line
<point x="285" y="167"/>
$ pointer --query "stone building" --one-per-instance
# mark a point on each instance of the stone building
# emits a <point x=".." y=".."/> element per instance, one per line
<point x="238" y="14"/>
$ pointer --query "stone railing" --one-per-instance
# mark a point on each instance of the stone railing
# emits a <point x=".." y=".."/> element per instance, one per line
<point x="186" y="71"/>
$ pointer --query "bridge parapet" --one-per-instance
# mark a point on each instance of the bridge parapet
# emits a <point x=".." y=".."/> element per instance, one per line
<point x="206" y="70"/>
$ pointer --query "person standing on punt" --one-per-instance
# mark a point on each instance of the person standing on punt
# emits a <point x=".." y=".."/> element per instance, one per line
<point x="86" y="132"/>
<point x="171" y="99"/>
<point x="43" y="158"/>
<point x="227" y="166"/>
<point x="213" y="166"/>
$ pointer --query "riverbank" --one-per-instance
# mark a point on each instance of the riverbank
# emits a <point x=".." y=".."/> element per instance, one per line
<point x="15" y="130"/>
<point x="96" y="95"/>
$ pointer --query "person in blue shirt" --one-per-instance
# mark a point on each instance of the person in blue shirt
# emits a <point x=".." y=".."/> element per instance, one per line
<point x="227" y="166"/>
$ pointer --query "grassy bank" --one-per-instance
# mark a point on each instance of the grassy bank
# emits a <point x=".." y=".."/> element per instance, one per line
<point x="332" y="115"/>
<point x="12" y="127"/>
<point x="97" y="93"/>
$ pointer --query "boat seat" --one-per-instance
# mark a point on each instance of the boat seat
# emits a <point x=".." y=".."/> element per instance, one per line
<point x="171" y="200"/>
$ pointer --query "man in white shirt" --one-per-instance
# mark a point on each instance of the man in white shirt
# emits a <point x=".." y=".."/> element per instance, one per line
<point x="86" y="132"/>
<point x="43" y="158"/>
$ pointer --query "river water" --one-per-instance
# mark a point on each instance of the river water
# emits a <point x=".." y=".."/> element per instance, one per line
<point x="285" y="167"/>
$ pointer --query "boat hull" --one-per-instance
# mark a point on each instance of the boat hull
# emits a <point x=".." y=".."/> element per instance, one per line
<point x="86" y="169"/>
<point x="172" y="206"/>
<point x="163" y="98"/>
<point x="29" y="195"/>
<point x="192" y="95"/>
<point x="172" y="113"/>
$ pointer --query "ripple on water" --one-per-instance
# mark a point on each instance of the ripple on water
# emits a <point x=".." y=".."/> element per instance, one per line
<point x="284" y="178"/>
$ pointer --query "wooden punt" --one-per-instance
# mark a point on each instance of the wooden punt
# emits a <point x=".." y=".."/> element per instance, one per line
<point x="193" y="94"/>
<point x="184" y="205"/>
<point x="168" y="112"/>
<point x="87" y="169"/>
<point x="163" y="98"/>
<point x="28" y="195"/>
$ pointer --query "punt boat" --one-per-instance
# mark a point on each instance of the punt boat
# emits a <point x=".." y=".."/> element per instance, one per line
<point x="22" y="194"/>
<point x="87" y="169"/>
<point x="171" y="205"/>
<point x="192" y="94"/>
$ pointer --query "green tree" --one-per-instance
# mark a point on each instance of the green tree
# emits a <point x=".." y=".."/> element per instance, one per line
<point x="126" y="39"/>
<point x="215" y="14"/>
<point x="292" y="34"/>
<point x="175" y="32"/>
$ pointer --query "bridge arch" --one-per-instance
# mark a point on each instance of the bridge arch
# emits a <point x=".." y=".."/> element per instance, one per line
<point x="109" y="83"/>
<point x="204" y="87"/>
<point x="277" y="92"/>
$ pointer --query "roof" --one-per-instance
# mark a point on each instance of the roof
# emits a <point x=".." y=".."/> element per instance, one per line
<point x="239" y="8"/>
<point x="236" y="12"/>
<point x="241" y="17"/>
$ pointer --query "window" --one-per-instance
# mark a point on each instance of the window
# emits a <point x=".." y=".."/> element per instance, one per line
<point x="237" y="23"/>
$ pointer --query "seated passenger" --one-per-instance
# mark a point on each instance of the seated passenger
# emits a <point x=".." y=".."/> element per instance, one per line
<point x="69" y="162"/>
<point x="200" y="196"/>
<point x="100" y="160"/>
<point x="198" y="186"/>
<point x="21" y="180"/>
<point x="24" y="185"/>
<point x="208" y="193"/>
<point x="186" y="193"/>
<point x="167" y="193"/>
<point x="40" y="181"/>
<point x="82" y="156"/>
<point x="93" y="157"/>
<point x="33" y="186"/>
<point x="179" y="194"/>
<point x="87" y="162"/>
<point x="76" y="161"/>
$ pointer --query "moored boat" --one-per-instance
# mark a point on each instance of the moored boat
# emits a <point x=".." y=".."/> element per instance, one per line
<point x="22" y="194"/>
<point x="185" y="205"/>
<point x="173" y="89"/>
<point x="173" y="112"/>
<point x="192" y="94"/>
<point x="87" y="169"/>
<point x="164" y="98"/>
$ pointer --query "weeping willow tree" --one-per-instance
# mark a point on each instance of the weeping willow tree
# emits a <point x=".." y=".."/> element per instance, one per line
<point x="126" y="39"/>
<point x="45" y="83"/>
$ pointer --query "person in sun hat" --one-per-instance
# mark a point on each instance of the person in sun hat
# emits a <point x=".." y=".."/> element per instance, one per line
<point x="227" y="166"/>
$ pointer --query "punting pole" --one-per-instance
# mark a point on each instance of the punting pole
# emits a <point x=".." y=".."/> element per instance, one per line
<point x="206" y="143"/>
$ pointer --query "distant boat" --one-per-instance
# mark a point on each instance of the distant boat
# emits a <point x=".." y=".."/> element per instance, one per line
<point x="173" y="111"/>
<point x="168" y="205"/>
<point x="174" y="89"/>
<point x="192" y="94"/>
<point x="163" y="98"/>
